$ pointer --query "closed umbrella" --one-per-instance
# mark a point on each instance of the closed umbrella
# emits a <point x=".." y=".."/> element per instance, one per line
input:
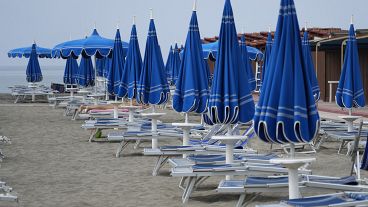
<point x="71" y="71"/>
<point x="248" y="66"/>
<point x="117" y="66"/>
<point x="230" y="99"/>
<point x="191" y="93"/>
<point x="286" y="111"/>
<point x="175" y="64"/>
<point x="310" y="66"/>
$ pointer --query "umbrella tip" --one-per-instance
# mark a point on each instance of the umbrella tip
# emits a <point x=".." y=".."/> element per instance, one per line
<point x="151" y="13"/>
<point x="133" y="20"/>
<point x="352" y="19"/>
<point x="195" y="5"/>
<point x="269" y="29"/>
<point x="305" y="26"/>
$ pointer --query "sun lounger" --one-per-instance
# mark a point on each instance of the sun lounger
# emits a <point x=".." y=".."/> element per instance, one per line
<point x="196" y="174"/>
<point x="329" y="200"/>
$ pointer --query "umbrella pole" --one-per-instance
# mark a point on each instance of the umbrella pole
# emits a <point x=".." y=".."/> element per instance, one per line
<point x="131" y="114"/>
<point x="186" y="133"/>
<point x="94" y="61"/>
<point x="154" y="129"/>
<point x="229" y="152"/>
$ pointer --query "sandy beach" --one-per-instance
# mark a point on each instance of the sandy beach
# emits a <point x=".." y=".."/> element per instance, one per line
<point x="51" y="163"/>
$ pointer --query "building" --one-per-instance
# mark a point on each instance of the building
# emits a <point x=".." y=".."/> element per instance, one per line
<point x="327" y="47"/>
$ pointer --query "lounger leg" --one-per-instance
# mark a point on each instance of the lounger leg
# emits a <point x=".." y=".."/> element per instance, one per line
<point x="92" y="135"/>
<point x="200" y="181"/>
<point x="241" y="200"/>
<point x="182" y="183"/>
<point x="137" y="143"/>
<point x="160" y="163"/>
<point x="189" y="189"/>
<point x="16" y="100"/>
<point x="342" y="145"/>
<point x="123" y="144"/>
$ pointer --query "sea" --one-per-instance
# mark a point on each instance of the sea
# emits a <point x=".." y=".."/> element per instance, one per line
<point x="16" y="75"/>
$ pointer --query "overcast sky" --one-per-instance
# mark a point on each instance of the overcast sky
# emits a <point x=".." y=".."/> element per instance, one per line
<point x="51" y="22"/>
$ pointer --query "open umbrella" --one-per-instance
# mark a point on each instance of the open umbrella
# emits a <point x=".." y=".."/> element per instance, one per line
<point x="132" y="68"/>
<point x="169" y="64"/>
<point x="33" y="71"/>
<point x="350" y="91"/>
<point x="311" y="73"/>
<point x="248" y="66"/>
<point x="267" y="54"/>
<point x="175" y="64"/>
<point x="71" y="71"/>
<point x="192" y="90"/>
<point x="286" y="111"/>
<point x="86" y="76"/>
<point x="117" y="66"/>
<point x="26" y="52"/>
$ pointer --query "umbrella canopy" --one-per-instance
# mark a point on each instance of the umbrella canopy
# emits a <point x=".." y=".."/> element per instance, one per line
<point x="86" y="72"/>
<point x="286" y="111"/>
<point x="248" y="66"/>
<point x="153" y="87"/>
<point x="267" y="54"/>
<point x="169" y="65"/>
<point x="117" y="66"/>
<point x="132" y="68"/>
<point x="230" y="99"/>
<point x="71" y="71"/>
<point x="311" y="73"/>
<point x="92" y="45"/>
<point x="210" y="50"/>
<point x="175" y="64"/>
<point x="26" y="52"/>
<point x="101" y="66"/>
<point x="33" y="71"/>
<point x="350" y="91"/>
<point x="192" y="91"/>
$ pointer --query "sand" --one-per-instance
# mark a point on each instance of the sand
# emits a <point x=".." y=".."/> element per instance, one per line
<point x="51" y="163"/>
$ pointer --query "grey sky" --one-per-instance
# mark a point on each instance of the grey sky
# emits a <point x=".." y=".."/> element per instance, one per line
<point x="50" y="22"/>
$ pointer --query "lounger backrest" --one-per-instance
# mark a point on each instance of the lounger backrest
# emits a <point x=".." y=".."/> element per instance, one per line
<point x="356" y="146"/>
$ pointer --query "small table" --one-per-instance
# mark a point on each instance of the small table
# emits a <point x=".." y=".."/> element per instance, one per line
<point x="292" y="164"/>
<point x="229" y="140"/>
<point x="186" y="129"/>
<point x="96" y="97"/>
<point x="84" y="93"/>
<point x="349" y="120"/>
<point x="153" y="116"/>
<point x="72" y="90"/>
<point x="115" y="105"/>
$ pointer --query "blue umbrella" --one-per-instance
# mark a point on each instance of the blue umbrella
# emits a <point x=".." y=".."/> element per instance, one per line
<point x="210" y="50"/>
<point x="248" y="66"/>
<point x="92" y="45"/>
<point x="350" y="91"/>
<point x="286" y="111"/>
<point x="101" y="66"/>
<point x="169" y="65"/>
<point x="71" y="71"/>
<point x="267" y="54"/>
<point x="153" y="87"/>
<point x="117" y="66"/>
<point x="230" y="99"/>
<point x="26" y="52"/>
<point x="86" y="72"/>
<point x="175" y="64"/>
<point x="132" y="68"/>
<point x="311" y="73"/>
<point x="192" y="91"/>
<point x="33" y="72"/>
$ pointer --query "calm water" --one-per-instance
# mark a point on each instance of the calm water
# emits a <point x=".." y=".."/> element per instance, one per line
<point x="12" y="75"/>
